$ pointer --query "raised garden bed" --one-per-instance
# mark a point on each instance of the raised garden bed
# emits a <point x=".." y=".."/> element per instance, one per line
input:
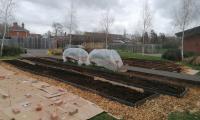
<point x="147" y="82"/>
<point x="156" y="65"/>
<point x="118" y="93"/>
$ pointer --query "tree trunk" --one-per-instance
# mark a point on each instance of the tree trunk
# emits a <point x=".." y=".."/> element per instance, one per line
<point x="182" y="45"/>
<point x="143" y="50"/>
<point x="70" y="40"/>
<point x="106" y="40"/>
<point x="2" y="41"/>
<point x="1" y="52"/>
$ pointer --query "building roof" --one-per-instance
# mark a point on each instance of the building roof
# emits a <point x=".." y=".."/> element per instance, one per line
<point x="17" y="28"/>
<point x="102" y="34"/>
<point x="100" y="37"/>
<point x="35" y="35"/>
<point x="92" y="37"/>
<point x="190" y="32"/>
<point x="76" y="38"/>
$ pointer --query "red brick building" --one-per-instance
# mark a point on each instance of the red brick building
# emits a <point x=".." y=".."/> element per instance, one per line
<point x="191" y="40"/>
<point x="90" y="40"/>
<point x="17" y="31"/>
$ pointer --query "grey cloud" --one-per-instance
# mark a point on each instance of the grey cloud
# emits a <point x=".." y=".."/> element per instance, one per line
<point x="47" y="3"/>
<point x="168" y="8"/>
<point x="101" y="4"/>
<point x="126" y="12"/>
<point x="97" y="4"/>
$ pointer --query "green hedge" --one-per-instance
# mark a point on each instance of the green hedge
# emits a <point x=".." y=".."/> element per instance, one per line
<point x="189" y="54"/>
<point x="12" y="51"/>
<point x="175" y="55"/>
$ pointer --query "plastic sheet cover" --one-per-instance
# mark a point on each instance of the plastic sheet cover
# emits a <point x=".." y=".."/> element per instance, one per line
<point x="76" y="54"/>
<point x="109" y="59"/>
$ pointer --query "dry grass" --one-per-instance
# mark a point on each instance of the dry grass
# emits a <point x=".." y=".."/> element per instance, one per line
<point x="156" y="109"/>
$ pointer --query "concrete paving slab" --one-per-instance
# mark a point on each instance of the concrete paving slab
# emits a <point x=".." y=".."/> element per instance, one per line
<point x="23" y="95"/>
<point x="52" y="90"/>
<point x="3" y="116"/>
<point x="40" y="85"/>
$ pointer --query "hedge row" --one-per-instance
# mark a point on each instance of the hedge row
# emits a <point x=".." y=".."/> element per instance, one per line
<point x="175" y="55"/>
<point x="12" y="51"/>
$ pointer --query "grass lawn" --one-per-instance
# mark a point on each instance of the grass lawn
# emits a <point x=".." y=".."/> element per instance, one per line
<point x="184" y="116"/>
<point x="9" y="57"/>
<point x="128" y="54"/>
<point x="103" y="116"/>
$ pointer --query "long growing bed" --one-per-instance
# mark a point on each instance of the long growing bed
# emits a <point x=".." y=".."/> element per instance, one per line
<point x="149" y="83"/>
<point x="118" y="93"/>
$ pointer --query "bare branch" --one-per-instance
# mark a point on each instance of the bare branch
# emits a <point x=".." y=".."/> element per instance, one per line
<point x="184" y="14"/>
<point x="6" y="7"/>
<point x="146" y="20"/>
<point x="58" y="28"/>
<point x="147" y="17"/>
<point x="106" y="22"/>
<point x="71" y="21"/>
<point x="183" y="19"/>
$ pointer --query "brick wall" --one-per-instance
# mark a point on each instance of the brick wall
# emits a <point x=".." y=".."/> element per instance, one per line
<point x="20" y="34"/>
<point x="192" y="44"/>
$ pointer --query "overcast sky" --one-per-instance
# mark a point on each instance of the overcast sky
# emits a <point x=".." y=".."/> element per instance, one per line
<point x="38" y="15"/>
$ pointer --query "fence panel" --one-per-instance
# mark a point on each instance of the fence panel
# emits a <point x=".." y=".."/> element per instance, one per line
<point x="30" y="43"/>
<point x="148" y="48"/>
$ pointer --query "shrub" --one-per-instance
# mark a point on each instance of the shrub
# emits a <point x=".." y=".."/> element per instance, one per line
<point x="55" y="51"/>
<point x="189" y="54"/>
<point x="12" y="51"/>
<point x="175" y="55"/>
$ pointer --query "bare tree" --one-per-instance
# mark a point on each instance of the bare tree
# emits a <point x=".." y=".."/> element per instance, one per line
<point x="136" y="37"/>
<point x="6" y="7"/>
<point x="107" y="22"/>
<point x="183" y="19"/>
<point x="58" y="28"/>
<point x="146" y="21"/>
<point x="71" y="22"/>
